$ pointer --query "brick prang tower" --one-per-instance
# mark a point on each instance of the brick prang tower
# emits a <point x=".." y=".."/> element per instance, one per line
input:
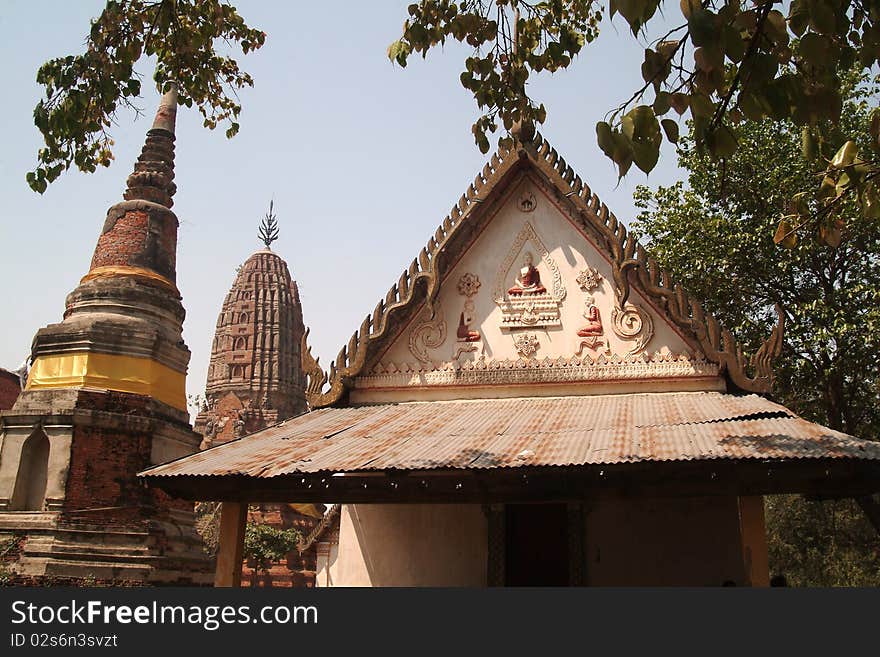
<point x="255" y="379"/>
<point x="255" y="375"/>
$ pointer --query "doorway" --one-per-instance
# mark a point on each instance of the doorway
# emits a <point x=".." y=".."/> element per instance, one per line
<point x="536" y="546"/>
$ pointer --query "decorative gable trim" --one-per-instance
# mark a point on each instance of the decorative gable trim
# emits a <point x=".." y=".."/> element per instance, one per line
<point x="630" y="264"/>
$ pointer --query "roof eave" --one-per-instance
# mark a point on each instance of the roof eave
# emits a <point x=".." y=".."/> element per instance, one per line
<point x="822" y="477"/>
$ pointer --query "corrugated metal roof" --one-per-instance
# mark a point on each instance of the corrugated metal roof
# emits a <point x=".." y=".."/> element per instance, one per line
<point x="501" y="433"/>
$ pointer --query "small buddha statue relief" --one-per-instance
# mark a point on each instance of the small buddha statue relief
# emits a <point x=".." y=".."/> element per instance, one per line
<point x="464" y="333"/>
<point x="529" y="280"/>
<point x="594" y="320"/>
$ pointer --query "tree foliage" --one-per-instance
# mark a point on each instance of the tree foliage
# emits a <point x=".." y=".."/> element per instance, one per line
<point x="511" y="39"/>
<point x="264" y="544"/>
<point x="821" y="543"/>
<point x="84" y="92"/>
<point x="722" y="63"/>
<point x="714" y="235"/>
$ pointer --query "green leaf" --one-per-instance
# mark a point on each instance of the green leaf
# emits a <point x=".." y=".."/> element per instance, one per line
<point x="636" y="12"/>
<point x="798" y="17"/>
<point x="703" y="27"/>
<point x="871" y="202"/>
<point x="827" y="188"/>
<point x="623" y="154"/>
<point x="734" y="46"/>
<point x="815" y="49"/>
<point x="822" y="17"/>
<point x="605" y="138"/>
<point x="845" y="155"/>
<point x="398" y="51"/>
<point x="670" y="127"/>
<point x="843" y="183"/>
<point x="701" y="106"/>
<point x="785" y="235"/>
<point x="641" y="127"/>
<point x="750" y="106"/>
<point x="645" y="155"/>
<point x="662" y="103"/>
<point x="721" y="142"/>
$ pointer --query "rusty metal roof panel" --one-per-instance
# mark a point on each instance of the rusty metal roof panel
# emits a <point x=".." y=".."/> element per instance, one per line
<point x="502" y="433"/>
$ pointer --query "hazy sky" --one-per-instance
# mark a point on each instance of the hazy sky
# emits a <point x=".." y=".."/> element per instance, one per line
<point x="363" y="159"/>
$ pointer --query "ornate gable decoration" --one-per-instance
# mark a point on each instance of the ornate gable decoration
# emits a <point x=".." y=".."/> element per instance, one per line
<point x="630" y="265"/>
<point x="528" y="304"/>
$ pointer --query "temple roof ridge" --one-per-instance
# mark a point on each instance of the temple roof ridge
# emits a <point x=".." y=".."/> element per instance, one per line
<point x="631" y="264"/>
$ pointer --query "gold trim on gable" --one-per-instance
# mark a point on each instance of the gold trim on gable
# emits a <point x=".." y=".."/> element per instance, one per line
<point x="132" y="374"/>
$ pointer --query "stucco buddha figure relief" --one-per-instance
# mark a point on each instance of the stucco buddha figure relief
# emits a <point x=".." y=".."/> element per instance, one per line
<point x="529" y="279"/>
<point x="468" y="286"/>
<point x="594" y="319"/>
<point x="534" y="299"/>
<point x="464" y="332"/>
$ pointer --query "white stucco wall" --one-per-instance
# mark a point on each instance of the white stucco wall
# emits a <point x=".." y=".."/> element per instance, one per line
<point x="13" y="439"/>
<point x="410" y="545"/>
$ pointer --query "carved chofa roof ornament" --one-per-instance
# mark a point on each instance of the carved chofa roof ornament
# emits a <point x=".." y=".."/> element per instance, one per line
<point x="631" y="266"/>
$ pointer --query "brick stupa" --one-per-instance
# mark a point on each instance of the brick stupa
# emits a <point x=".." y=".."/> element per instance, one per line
<point x="105" y="398"/>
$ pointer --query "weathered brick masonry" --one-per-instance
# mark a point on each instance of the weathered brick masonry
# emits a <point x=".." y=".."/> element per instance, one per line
<point x="10" y="388"/>
<point x="255" y="379"/>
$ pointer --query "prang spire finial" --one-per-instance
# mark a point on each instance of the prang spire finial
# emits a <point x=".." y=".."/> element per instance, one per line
<point x="269" y="227"/>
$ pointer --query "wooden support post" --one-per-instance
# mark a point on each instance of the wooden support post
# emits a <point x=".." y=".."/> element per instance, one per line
<point x="233" y="518"/>
<point x="753" y="536"/>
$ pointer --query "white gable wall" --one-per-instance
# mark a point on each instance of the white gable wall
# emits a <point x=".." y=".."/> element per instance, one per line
<point x="427" y="359"/>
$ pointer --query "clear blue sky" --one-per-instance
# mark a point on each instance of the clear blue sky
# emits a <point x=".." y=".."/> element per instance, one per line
<point x="364" y="159"/>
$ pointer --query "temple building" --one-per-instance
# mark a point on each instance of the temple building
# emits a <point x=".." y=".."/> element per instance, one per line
<point x="106" y="397"/>
<point x="534" y="401"/>
<point x="255" y="379"/>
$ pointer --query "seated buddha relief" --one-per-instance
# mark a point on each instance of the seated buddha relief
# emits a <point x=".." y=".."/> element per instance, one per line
<point x="529" y="279"/>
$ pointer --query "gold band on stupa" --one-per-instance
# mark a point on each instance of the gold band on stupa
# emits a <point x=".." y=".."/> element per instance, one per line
<point x="132" y="374"/>
<point x="110" y="271"/>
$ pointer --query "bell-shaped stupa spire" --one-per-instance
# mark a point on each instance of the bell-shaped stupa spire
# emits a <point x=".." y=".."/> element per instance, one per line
<point x="153" y="176"/>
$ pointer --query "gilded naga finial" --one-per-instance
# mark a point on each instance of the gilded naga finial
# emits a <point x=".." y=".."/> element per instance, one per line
<point x="269" y="227"/>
